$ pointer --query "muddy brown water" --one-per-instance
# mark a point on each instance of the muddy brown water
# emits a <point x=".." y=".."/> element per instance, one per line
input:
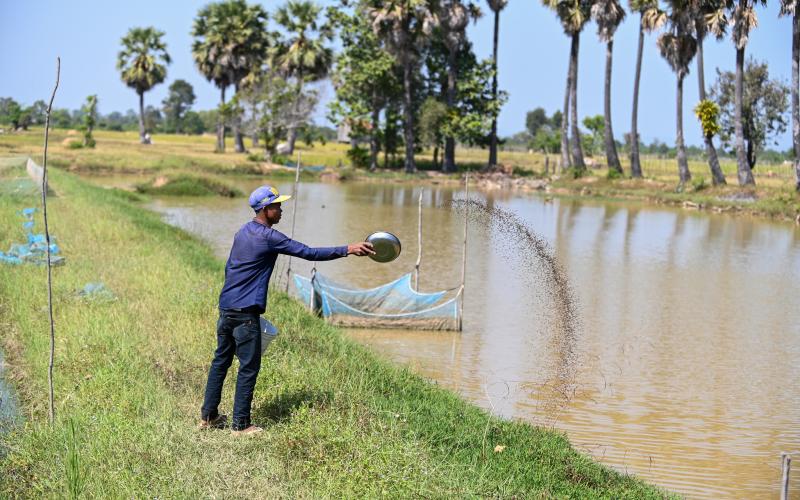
<point x="688" y="353"/>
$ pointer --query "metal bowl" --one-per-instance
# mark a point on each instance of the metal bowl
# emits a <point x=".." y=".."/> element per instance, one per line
<point x="386" y="246"/>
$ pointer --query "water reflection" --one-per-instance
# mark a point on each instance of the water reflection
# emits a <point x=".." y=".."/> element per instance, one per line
<point x="690" y="336"/>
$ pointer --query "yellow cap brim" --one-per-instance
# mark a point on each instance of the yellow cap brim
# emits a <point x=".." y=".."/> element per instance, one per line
<point x="282" y="198"/>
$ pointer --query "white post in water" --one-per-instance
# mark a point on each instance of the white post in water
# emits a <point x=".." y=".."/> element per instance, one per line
<point x="419" y="242"/>
<point x="464" y="255"/>
<point x="312" y="303"/>
<point x="786" y="465"/>
<point x="294" y="216"/>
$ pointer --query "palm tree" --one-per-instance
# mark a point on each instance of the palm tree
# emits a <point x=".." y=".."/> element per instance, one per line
<point x="678" y="46"/>
<point x="703" y="9"/>
<point x="453" y="19"/>
<point x="404" y="26"/>
<point x="608" y="14"/>
<point x="792" y="8"/>
<point x="573" y="14"/>
<point x="496" y="6"/>
<point x="650" y="19"/>
<point x="743" y="19"/>
<point x="303" y="54"/>
<point x="231" y="40"/>
<point x="143" y="64"/>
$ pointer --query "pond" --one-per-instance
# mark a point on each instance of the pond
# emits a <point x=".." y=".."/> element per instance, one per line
<point x="688" y="351"/>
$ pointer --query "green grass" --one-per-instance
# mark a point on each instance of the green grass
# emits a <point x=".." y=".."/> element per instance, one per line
<point x="774" y="202"/>
<point x="130" y="372"/>
<point x="184" y="184"/>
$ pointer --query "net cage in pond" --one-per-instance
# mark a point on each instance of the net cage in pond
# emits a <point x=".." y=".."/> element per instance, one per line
<point x="392" y="305"/>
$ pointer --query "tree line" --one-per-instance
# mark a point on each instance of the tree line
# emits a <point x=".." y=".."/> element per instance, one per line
<point x="764" y="113"/>
<point x="406" y="75"/>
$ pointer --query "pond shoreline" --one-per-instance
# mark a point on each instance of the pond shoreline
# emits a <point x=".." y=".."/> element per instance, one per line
<point x="340" y="421"/>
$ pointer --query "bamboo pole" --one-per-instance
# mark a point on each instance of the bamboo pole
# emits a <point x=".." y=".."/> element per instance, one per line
<point x="294" y="216"/>
<point x="464" y="254"/>
<point x="419" y="242"/>
<point x="52" y="414"/>
<point x="786" y="465"/>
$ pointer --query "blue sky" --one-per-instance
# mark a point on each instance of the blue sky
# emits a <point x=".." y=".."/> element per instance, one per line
<point x="532" y="60"/>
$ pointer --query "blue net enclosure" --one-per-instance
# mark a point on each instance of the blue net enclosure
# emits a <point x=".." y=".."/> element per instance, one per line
<point x="34" y="249"/>
<point x="17" y="177"/>
<point x="393" y="305"/>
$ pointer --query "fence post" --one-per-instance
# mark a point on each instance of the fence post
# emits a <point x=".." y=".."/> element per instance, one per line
<point x="419" y="242"/>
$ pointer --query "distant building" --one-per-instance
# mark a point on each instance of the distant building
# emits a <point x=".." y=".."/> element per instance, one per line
<point x="343" y="133"/>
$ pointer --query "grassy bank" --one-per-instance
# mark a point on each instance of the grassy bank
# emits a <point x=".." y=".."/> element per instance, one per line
<point x="130" y="373"/>
<point x="777" y="202"/>
<point x="184" y="184"/>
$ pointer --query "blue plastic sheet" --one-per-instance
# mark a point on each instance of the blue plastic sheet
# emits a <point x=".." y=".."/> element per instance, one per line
<point x="96" y="291"/>
<point x="34" y="251"/>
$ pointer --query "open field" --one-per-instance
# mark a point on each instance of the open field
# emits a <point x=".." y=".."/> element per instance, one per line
<point x="120" y="152"/>
<point x="130" y="372"/>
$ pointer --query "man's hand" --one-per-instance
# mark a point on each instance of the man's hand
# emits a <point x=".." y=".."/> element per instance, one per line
<point x="361" y="249"/>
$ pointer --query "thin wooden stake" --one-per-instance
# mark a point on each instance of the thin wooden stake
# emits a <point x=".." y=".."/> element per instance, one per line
<point x="464" y="255"/>
<point x="294" y="216"/>
<point x="52" y="415"/>
<point x="419" y="242"/>
<point x="786" y="465"/>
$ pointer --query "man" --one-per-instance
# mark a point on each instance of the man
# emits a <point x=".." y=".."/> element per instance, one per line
<point x="244" y="298"/>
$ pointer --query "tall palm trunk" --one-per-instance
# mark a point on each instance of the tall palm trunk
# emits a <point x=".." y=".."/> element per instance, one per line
<point x="796" y="95"/>
<point x="636" y="167"/>
<point x="408" y="115"/>
<point x="611" y="148"/>
<point x="221" y="124"/>
<point x="683" y="164"/>
<point x="450" y="142"/>
<point x="238" y="138"/>
<point x="373" y="136"/>
<point x="743" y="169"/>
<point x="577" y="150"/>
<point x="493" y="136"/>
<point x="292" y="133"/>
<point x="717" y="177"/>
<point x="566" y="159"/>
<point x="142" y="132"/>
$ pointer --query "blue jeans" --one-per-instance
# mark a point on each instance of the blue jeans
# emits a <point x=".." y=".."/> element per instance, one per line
<point x="238" y="333"/>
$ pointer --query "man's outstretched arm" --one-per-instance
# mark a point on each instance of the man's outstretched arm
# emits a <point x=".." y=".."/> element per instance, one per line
<point x="288" y="246"/>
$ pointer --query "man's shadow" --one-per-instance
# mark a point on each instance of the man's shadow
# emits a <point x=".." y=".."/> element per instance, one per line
<point x="281" y="407"/>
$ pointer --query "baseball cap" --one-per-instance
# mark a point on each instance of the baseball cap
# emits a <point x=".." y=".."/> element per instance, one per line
<point x="264" y="196"/>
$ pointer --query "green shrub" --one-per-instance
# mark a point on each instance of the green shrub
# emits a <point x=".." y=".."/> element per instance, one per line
<point x="574" y="173"/>
<point x="258" y="156"/>
<point x="699" y="183"/>
<point x="614" y="174"/>
<point x="359" y="157"/>
<point x="75" y="145"/>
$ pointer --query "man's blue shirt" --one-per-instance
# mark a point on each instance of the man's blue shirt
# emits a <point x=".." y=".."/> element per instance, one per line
<point x="252" y="260"/>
